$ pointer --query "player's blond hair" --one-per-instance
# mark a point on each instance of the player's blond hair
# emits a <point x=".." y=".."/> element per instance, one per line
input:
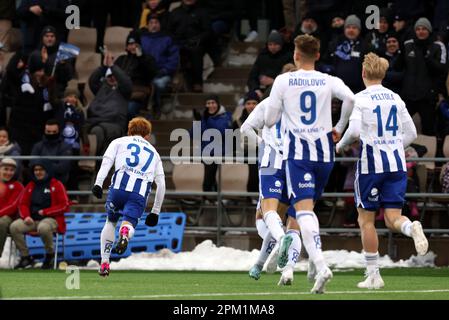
<point x="375" y="67"/>
<point x="139" y="127"/>
<point x="307" y="46"/>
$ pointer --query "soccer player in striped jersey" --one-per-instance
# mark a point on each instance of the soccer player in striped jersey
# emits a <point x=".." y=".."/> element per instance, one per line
<point x="303" y="98"/>
<point x="384" y="126"/>
<point x="273" y="193"/>
<point x="137" y="164"/>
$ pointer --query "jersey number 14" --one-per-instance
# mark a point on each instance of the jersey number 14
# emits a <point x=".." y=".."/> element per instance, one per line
<point x="392" y="121"/>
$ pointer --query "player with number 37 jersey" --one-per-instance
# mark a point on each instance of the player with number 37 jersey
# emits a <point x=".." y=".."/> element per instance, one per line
<point x="137" y="164"/>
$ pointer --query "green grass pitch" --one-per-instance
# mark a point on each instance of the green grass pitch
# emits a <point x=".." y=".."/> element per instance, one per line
<point x="403" y="284"/>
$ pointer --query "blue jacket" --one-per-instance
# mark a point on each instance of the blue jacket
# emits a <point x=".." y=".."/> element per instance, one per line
<point x="163" y="50"/>
<point x="220" y="121"/>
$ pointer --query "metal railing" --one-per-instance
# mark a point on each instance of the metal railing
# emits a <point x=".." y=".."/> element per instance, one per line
<point x="220" y="195"/>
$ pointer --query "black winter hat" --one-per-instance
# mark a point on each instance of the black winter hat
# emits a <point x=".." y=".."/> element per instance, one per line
<point x="48" y="29"/>
<point x="275" y="37"/>
<point x="213" y="97"/>
<point x="252" y="95"/>
<point x="131" y="39"/>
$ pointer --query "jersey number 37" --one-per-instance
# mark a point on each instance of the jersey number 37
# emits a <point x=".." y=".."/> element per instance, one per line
<point x="136" y="156"/>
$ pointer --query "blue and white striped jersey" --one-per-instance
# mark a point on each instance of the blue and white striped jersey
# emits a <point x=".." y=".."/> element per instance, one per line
<point x="305" y="99"/>
<point x="382" y="114"/>
<point x="136" y="163"/>
<point x="271" y="137"/>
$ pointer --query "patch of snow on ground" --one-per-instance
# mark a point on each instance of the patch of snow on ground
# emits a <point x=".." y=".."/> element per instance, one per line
<point x="208" y="257"/>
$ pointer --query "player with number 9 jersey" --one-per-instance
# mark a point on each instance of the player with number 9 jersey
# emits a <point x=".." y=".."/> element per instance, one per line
<point x="137" y="165"/>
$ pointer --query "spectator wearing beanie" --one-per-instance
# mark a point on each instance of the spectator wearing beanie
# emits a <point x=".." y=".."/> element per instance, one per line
<point x="345" y="55"/>
<point x="268" y="64"/>
<point x="166" y="54"/>
<point x="309" y="25"/>
<point x="401" y="26"/>
<point x="214" y="117"/>
<point x="393" y="78"/>
<point x="423" y="62"/>
<point x="141" y="68"/>
<point x="34" y="15"/>
<point x="71" y="117"/>
<point x="47" y="51"/>
<point x="376" y="39"/>
<point x="52" y="144"/>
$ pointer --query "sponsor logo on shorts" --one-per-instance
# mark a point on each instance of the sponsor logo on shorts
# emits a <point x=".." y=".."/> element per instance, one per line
<point x="306" y="185"/>
<point x="277" y="184"/>
<point x="275" y="190"/>
<point x="307" y="177"/>
<point x="374" y="195"/>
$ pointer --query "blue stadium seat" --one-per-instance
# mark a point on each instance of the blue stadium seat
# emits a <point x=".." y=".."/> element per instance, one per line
<point x="82" y="239"/>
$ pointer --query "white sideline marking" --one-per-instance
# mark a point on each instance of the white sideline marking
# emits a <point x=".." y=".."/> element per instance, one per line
<point x="155" y="296"/>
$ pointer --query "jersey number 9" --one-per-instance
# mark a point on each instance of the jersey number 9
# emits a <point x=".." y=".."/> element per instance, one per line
<point x="308" y="108"/>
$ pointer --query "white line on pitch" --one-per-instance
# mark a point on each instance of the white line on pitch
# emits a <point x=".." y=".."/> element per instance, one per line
<point x="155" y="296"/>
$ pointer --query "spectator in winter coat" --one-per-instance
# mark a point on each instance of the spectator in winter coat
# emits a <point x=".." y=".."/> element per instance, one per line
<point x="10" y="84"/>
<point x="141" y="68"/>
<point x="52" y="144"/>
<point x="161" y="47"/>
<point x="309" y="25"/>
<point x="215" y="117"/>
<point x="157" y="8"/>
<point x="33" y="105"/>
<point x="376" y="39"/>
<point x="393" y="78"/>
<point x="107" y="113"/>
<point x="47" y="52"/>
<point x="191" y="29"/>
<point x="34" y="15"/>
<point x="71" y="119"/>
<point x="423" y="61"/>
<point x="346" y="54"/>
<point x="268" y="64"/>
<point x="41" y="207"/>
<point x="402" y="28"/>
<point x="9" y="201"/>
<point x="250" y="102"/>
<point x="9" y="148"/>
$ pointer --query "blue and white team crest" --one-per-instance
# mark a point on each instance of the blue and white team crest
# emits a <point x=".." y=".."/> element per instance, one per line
<point x="374" y="195"/>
